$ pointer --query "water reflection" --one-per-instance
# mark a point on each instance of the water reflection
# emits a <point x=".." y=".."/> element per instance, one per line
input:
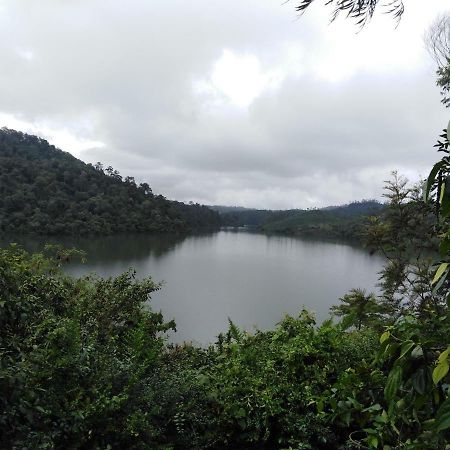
<point x="130" y="247"/>
<point x="250" y="277"/>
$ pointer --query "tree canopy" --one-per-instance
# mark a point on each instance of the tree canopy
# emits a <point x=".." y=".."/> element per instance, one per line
<point x="44" y="190"/>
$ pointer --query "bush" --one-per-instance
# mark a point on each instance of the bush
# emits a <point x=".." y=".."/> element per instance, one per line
<point x="75" y="357"/>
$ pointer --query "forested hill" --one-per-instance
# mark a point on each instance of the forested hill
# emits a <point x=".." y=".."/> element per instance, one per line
<point x="346" y="221"/>
<point x="47" y="191"/>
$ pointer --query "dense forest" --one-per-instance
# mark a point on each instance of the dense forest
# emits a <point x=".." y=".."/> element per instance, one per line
<point x="344" y="222"/>
<point x="44" y="190"/>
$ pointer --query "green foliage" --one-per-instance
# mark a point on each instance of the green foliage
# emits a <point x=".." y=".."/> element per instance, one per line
<point x="443" y="81"/>
<point x="46" y="191"/>
<point x="273" y="388"/>
<point x="358" y="309"/>
<point x="405" y="234"/>
<point x="344" y="222"/>
<point x="414" y="352"/>
<point x="75" y="355"/>
<point x="339" y="222"/>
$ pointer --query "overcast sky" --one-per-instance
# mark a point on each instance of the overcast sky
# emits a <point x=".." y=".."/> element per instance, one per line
<point x="226" y="102"/>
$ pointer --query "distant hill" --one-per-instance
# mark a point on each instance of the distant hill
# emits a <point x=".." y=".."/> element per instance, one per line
<point x="346" y="221"/>
<point x="44" y="190"/>
<point x="229" y="209"/>
<point x="238" y="216"/>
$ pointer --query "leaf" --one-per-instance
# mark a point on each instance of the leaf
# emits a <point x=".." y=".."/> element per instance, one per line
<point x="430" y="181"/>
<point x="373" y="441"/>
<point x="439" y="284"/>
<point x="406" y="347"/>
<point x="440" y="371"/>
<point x="240" y="413"/>
<point x="376" y="407"/>
<point x="386" y="335"/>
<point x="443" y="416"/>
<point x="393" y="383"/>
<point x="417" y="352"/>
<point x="444" y="355"/>
<point x="444" y="246"/>
<point x="445" y="198"/>
<point x="419" y="381"/>
<point x="439" y="272"/>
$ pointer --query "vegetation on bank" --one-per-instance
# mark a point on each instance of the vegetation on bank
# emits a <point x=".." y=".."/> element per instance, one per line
<point x="44" y="190"/>
<point x="341" y="222"/>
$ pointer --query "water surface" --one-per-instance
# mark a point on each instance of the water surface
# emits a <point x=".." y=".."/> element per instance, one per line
<point x="252" y="278"/>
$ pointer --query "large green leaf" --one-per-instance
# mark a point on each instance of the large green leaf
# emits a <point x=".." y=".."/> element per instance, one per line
<point x="444" y="355"/>
<point x="439" y="272"/>
<point x="419" y="381"/>
<point x="445" y="198"/>
<point x="393" y="383"/>
<point x="444" y="246"/>
<point x="406" y="347"/>
<point x="440" y="371"/>
<point x="443" y="416"/>
<point x="439" y="284"/>
<point x="386" y="335"/>
<point x="430" y="181"/>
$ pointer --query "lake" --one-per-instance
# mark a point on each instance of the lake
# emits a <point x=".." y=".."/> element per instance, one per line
<point x="252" y="278"/>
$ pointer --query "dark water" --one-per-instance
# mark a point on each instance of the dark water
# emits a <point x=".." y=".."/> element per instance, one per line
<point x="252" y="278"/>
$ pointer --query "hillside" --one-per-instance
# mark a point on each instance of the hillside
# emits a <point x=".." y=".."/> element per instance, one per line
<point x="346" y="221"/>
<point x="236" y="216"/>
<point x="44" y="190"/>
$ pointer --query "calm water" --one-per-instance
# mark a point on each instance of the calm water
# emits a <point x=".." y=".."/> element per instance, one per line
<point x="252" y="278"/>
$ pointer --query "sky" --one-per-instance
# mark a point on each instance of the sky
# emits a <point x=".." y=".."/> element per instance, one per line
<point x="226" y="102"/>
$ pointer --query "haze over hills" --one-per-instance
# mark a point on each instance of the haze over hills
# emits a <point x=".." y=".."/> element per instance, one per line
<point x="44" y="190"/>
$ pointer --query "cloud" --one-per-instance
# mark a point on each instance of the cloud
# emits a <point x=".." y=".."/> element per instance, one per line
<point x="225" y="102"/>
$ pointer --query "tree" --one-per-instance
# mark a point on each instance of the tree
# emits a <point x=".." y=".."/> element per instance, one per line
<point x="405" y="234"/>
<point x="361" y="10"/>
<point x="437" y="41"/>
<point x="357" y="309"/>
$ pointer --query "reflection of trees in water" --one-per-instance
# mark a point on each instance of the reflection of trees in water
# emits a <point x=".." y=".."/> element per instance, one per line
<point x="135" y="247"/>
<point x="109" y="248"/>
<point x="305" y="240"/>
<point x="132" y="247"/>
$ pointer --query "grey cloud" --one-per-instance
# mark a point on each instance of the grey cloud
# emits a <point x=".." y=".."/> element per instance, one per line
<point x="124" y="74"/>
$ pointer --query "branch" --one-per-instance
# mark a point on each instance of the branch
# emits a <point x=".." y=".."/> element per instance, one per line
<point x="360" y="10"/>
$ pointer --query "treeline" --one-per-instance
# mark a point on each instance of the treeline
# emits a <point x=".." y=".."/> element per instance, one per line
<point x="345" y="222"/>
<point x="44" y="190"/>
